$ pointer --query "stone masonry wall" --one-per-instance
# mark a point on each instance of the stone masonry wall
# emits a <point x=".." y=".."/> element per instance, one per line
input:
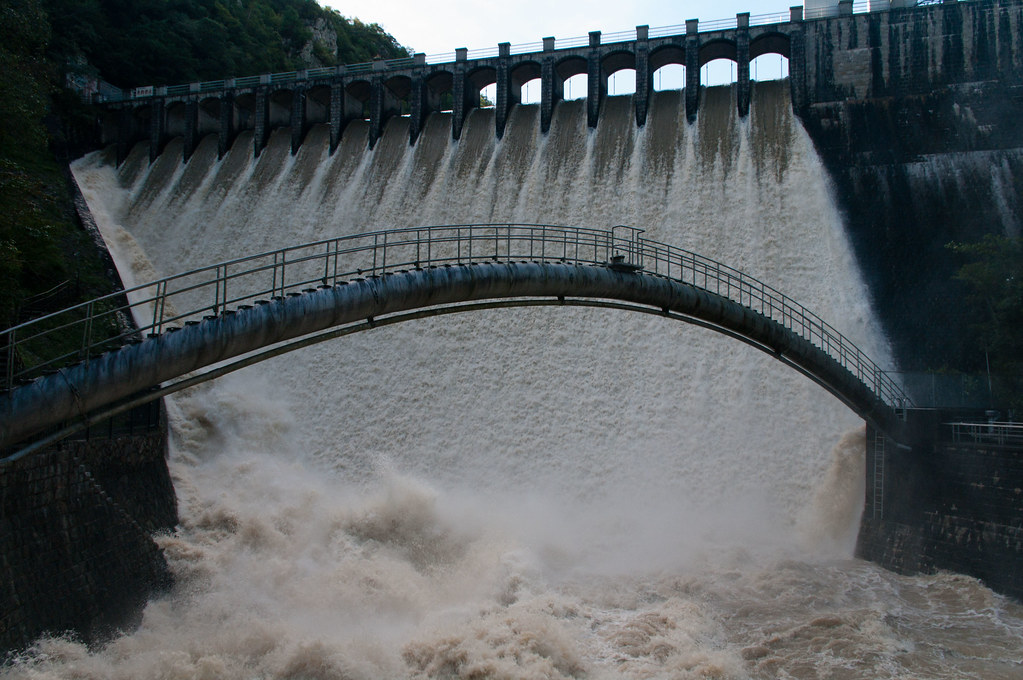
<point x="76" y="547"/>
<point x="951" y="506"/>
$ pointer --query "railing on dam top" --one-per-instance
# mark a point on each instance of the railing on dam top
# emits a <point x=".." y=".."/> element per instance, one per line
<point x="82" y="332"/>
<point x="858" y="7"/>
<point x="993" y="433"/>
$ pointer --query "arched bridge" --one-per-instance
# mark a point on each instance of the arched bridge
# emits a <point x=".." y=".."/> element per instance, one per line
<point x="203" y="323"/>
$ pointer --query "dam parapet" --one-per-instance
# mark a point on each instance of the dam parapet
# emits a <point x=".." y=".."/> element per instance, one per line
<point x="859" y="56"/>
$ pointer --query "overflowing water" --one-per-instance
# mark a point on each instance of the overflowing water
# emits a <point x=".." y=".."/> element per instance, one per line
<point x="529" y="493"/>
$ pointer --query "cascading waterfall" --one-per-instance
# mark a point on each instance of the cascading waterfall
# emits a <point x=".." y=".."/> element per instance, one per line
<point x="547" y="492"/>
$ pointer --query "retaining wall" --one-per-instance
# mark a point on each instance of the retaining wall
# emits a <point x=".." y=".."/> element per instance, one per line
<point x="947" y="505"/>
<point x="76" y="547"/>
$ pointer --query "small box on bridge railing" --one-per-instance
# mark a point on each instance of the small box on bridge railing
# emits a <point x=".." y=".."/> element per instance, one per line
<point x="138" y="92"/>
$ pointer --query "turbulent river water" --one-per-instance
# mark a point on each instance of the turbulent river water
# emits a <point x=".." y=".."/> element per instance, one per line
<point x="530" y="493"/>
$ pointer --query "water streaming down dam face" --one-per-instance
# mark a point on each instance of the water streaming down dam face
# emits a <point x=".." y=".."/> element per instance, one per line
<point x="533" y="492"/>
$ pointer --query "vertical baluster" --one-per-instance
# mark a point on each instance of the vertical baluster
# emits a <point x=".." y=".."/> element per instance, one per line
<point x="11" y="342"/>
<point x="87" y="334"/>
<point x="273" y="287"/>
<point x="326" y="262"/>
<point x="160" y="285"/>
<point x="216" y="292"/>
<point x="162" y="308"/>
<point x="284" y="262"/>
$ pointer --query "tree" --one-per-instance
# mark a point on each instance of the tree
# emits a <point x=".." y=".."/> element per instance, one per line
<point x="171" y="42"/>
<point x="992" y="273"/>
<point x="26" y="204"/>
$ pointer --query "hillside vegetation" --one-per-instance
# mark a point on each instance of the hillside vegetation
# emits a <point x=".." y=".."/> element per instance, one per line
<point x="165" y="42"/>
<point x="46" y="260"/>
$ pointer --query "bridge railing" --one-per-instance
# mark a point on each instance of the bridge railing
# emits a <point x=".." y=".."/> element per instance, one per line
<point x="996" y="433"/>
<point x="80" y="333"/>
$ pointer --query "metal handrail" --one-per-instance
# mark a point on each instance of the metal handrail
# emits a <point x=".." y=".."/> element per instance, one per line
<point x="1000" y="433"/>
<point x="223" y="288"/>
<point x="859" y="7"/>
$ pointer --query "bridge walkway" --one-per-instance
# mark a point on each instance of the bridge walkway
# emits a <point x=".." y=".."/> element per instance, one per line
<point x="203" y="323"/>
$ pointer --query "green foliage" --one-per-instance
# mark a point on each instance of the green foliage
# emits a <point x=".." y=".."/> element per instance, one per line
<point x="45" y="259"/>
<point x="26" y="204"/>
<point x="992" y="273"/>
<point x="167" y="42"/>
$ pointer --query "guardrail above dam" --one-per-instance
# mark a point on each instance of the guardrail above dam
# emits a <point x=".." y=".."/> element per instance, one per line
<point x="859" y="52"/>
<point x="203" y="317"/>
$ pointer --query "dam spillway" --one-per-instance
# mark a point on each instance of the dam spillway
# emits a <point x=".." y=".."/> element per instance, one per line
<point x="562" y="492"/>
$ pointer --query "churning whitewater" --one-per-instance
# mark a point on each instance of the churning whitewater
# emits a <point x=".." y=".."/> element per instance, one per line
<point x="528" y="493"/>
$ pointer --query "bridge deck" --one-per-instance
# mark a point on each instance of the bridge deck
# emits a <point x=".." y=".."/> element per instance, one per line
<point x="229" y="311"/>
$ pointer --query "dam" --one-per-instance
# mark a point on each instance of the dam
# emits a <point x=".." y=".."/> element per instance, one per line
<point x="553" y="492"/>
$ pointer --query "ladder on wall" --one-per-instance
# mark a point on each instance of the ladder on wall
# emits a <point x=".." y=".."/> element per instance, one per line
<point x="879" y="446"/>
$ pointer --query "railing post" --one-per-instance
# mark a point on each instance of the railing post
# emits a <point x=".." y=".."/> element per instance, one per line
<point x="326" y="262"/>
<point x="11" y="341"/>
<point x="87" y="333"/>
<point x="216" y="292"/>
<point x="337" y="247"/>
<point x="284" y="259"/>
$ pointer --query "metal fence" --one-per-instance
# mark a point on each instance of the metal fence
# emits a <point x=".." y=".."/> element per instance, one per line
<point x="81" y="332"/>
<point x="995" y="433"/>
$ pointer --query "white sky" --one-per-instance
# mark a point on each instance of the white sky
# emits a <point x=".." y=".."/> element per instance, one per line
<point x="440" y="27"/>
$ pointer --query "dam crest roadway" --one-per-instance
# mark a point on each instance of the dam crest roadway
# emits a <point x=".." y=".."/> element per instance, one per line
<point x="207" y="322"/>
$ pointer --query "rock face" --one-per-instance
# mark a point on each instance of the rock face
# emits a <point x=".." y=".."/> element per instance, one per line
<point x="322" y="44"/>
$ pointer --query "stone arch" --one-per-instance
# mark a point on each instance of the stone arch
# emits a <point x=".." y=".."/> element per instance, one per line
<point x="718" y="49"/>
<point x="358" y="94"/>
<point x="279" y="104"/>
<point x="572" y="70"/>
<point x="475" y="82"/>
<point x="244" y="113"/>
<point x="317" y="105"/>
<point x="440" y="89"/>
<point x="770" y="43"/>
<point x="177" y="119"/>
<point x="522" y="73"/>
<point x="570" y="66"/>
<point x="667" y="54"/>
<point x="208" y="122"/>
<point x="397" y="92"/>
<point x="613" y="62"/>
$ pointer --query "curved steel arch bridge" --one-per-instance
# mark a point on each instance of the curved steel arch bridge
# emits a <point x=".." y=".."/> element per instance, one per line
<point x="207" y="322"/>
